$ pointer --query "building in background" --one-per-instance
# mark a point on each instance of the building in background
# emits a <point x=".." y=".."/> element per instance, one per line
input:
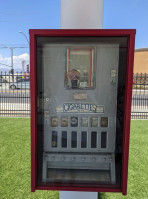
<point x="141" y="60"/>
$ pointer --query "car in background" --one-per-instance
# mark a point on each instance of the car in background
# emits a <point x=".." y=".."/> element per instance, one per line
<point x="20" y="84"/>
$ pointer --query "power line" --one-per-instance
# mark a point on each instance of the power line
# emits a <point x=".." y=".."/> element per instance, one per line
<point x="14" y="47"/>
<point x="5" y="65"/>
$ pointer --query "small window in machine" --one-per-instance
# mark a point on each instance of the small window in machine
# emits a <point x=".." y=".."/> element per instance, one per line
<point x="79" y="73"/>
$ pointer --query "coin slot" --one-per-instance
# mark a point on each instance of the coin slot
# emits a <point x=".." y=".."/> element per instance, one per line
<point x="54" y="138"/>
<point x="74" y="139"/>
<point x="64" y="139"/>
<point x="83" y="139"/>
<point x="93" y="139"/>
<point x="103" y="139"/>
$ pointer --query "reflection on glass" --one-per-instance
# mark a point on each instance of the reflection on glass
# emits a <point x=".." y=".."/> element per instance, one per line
<point x="79" y="73"/>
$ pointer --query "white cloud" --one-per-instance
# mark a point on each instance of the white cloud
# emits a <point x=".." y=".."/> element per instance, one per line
<point x="17" y="62"/>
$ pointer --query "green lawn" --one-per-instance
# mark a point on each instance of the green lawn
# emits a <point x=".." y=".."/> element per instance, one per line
<point x="15" y="162"/>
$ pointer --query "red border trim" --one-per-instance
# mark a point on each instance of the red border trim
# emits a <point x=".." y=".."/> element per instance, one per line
<point x="78" y="189"/>
<point x="127" y="116"/>
<point x="128" y="93"/>
<point x="33" y="112"/>
<point x="81" y="32"/>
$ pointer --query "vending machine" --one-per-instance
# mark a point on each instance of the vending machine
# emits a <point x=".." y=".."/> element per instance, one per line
<point x="81" y="85"/>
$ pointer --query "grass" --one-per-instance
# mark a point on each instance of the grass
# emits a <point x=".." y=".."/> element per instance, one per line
<point x="15" y="162"/>
<point x="138" y="163"/>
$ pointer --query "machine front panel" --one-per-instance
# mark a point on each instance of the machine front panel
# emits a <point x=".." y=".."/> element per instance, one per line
<point x="77" y="105"/>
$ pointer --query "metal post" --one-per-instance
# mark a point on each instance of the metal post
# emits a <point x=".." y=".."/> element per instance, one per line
<point x="81" y="14"/>
<point x="77" y="195"/>
<point x="21" y="32"/>
<point x="11" y="57"/>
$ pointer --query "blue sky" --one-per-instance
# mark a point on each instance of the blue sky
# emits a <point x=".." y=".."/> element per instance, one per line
<point x="23" y="15"/>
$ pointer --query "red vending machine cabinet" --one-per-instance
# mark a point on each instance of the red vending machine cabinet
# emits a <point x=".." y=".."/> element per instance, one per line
<point x="81" y="89"/>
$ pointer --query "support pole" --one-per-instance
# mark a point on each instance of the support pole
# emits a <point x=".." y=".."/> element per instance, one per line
<point x="81" y="14"/>
<point x="77" y="195"/>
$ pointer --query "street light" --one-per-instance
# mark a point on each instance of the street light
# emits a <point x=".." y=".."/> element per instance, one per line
<point x="24" y="35"/>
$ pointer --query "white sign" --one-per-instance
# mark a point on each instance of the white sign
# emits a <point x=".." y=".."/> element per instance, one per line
<point x="82" y="108"/>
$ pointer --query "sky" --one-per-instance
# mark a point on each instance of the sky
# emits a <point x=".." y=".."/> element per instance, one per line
<point x="16" y="15"/>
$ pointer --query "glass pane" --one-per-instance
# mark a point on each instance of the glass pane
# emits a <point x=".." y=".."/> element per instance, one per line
<point x="80" y="110"/>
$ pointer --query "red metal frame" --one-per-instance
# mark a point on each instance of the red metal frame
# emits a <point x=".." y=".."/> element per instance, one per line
<point x="33" y="112"/>
<point x="128" y="94"/>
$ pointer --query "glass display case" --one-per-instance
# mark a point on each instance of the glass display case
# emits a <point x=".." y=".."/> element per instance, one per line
<point x="79" y="102"/>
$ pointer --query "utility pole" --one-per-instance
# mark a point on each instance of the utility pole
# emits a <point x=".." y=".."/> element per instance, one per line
<point x="11" y="57"/>
<point x="21" y="32"/>
<point x="23" y="67"/>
